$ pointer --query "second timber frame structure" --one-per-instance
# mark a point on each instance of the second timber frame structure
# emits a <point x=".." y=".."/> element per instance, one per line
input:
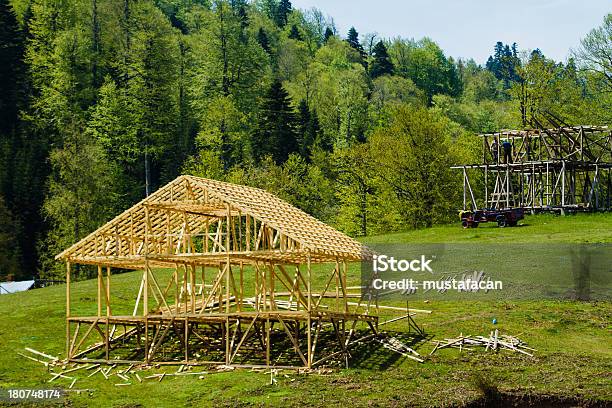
<point x="238" y="283"/>
<point x="564" y="169"/>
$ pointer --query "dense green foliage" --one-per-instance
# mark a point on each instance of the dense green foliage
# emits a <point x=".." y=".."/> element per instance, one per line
<point x="103" y="101"/>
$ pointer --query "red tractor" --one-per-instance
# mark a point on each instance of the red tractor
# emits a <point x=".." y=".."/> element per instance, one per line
<point x="503" y="218"/>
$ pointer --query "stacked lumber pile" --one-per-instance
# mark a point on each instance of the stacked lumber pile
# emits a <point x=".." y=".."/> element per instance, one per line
<point x="493" y="342"/>
<point x="394" y="344"/>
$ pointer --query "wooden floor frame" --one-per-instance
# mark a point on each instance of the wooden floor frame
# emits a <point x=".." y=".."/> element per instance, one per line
<point x="203" y="301"/>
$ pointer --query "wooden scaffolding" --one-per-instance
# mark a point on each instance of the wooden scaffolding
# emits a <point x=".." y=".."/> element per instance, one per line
<point x="562" y="169"/>
<point x="227" y="278"/>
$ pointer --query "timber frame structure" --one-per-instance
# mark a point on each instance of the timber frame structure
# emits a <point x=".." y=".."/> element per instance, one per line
<point x="228" y="278"/>
<point x="565" y="169"/>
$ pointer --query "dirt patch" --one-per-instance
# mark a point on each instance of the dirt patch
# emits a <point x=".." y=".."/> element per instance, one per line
<point x="501" y="400"/>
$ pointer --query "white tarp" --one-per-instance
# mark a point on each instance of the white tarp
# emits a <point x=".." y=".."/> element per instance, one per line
<point x="12" y="287"/>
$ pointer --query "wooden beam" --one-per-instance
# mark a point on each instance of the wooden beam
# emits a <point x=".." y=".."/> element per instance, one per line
<point x="99" y="290"/>
<point x="68" y="309"/>
<point x="108" y="296"/>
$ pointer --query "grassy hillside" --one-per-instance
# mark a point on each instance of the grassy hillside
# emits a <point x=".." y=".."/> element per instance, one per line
<point x="574" y="357"/>
<point x="589" y="228"/>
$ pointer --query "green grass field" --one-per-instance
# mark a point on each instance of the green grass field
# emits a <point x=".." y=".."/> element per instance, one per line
<point x="573" y="364"/>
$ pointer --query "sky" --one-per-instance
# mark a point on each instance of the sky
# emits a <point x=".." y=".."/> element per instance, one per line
<point x="470" y="28"/>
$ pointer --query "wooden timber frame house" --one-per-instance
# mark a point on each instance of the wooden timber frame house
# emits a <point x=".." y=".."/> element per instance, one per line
<point x="564" y="169"/>
<point x="230" y="275"/>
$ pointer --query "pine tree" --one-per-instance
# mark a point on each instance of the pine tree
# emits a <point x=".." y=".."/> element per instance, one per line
<point x="262" y="39"/>
<point x="490" y="64"/>
<point x="308" y="128"/>
<point x="494" y="61"/>
<point x="381" y="65"/>
<point x="353" y="40"/>
<point x="283" y="10"/>
<point x="294" y="33"/>
<point x="276" y="135"/>
<point x="328" y="33"/>
<point x="269" y="8"/>
<point x="504" y="63"/>
<point x="240" y="9"/>
<point x="11" y="67"/>
<point x="9" y="247"/>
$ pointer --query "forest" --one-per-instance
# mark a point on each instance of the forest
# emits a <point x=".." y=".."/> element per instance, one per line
<point x="104" y="101"/>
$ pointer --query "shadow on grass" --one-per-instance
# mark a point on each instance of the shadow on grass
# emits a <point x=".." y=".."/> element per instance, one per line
<point x="373" y="355"/>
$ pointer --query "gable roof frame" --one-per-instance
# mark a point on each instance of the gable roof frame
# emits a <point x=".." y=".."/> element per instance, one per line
<point x="208" y="198"/>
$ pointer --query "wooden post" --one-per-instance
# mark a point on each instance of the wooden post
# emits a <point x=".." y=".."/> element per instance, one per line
<point x="547" y="185"/>
<point x="563" y="186"/>
<point x="337" y="273"/>
<point x="268" y="342"/>
<point x="257" y="288"/>
<point x="207" y="229"/>
<point x="485" y="144"/>
<point x="146" y="340"/>
<point x="345" y="270"/>
<point x="177" y="295"/>
<point x="203" y="284"/>
<point x="228" y="270"/>
<point x="272" y="294"/>
<point x="248" y="233"/>
<point x="145" y="292"/>
<point x="107" y="340"/>
<point x="239" y="230"/>
<point x="68" y="289"/>
<point x="581" y="134"/>
<point x="186" y="336"/>
<point x="99" y="290"/>
<point x="192" y="292"/>
<point x="533" y="187"/>
<point x="507" y="185"/>
<point x="464" y="190"/>
<point x="486" y="187"/>
<point x="185" y="287"/>
<point x="68" y="310"/>
<point x="241" y="297"/>
<point x="108" y="281"/>
<point x="309" y="320"/>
